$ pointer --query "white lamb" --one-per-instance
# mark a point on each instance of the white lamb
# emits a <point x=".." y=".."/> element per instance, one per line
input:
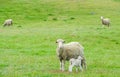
<point x="75" y="62"/>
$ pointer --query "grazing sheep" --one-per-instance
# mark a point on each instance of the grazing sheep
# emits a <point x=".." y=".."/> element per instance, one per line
<point x="8" y="22"/>
<point x="75" y="62"/>
<point x="68" y="51"/>
<point x="105" y="21"/>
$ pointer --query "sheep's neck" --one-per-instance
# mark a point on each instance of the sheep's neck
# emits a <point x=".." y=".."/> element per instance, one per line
<point x="102" y="21"/>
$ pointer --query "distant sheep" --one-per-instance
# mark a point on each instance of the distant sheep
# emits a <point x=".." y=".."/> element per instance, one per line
<point x="68" y="51"/>
<point x="105" y="21"/>
<point x="8" y="22"/>
<point x="75" y="62"/>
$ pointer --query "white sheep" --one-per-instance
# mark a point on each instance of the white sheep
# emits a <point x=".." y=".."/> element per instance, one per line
<point x="68" y="51"/>
<point x="105" y="21"/>
<point x="8" y="22"/>
<point x="75" y="62"/>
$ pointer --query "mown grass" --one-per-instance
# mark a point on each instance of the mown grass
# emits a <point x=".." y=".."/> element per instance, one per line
<point x="28" y="48"/>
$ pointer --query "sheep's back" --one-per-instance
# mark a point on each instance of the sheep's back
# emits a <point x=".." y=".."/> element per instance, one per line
<point x="106" y="21"/>
<point x="72" y="51"/>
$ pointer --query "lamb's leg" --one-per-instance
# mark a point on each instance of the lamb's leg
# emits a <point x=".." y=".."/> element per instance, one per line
<point x="81" y="68"/>
<point x="76" y="69"/>
<point x="70" y="68"/>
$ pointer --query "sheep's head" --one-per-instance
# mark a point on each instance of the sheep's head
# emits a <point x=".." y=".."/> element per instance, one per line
<point x="60" y="42"/>
<point x="101" y="17"/>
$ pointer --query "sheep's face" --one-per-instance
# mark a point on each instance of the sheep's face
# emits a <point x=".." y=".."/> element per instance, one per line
<point x="60" y="42"/>
<point x="101" y="17"/>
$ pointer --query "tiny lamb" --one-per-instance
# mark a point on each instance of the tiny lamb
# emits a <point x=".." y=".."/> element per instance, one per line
<point x="75" y="62"/>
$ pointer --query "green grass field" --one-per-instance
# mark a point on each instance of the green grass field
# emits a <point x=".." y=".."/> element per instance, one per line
<point x="30" y="50"/>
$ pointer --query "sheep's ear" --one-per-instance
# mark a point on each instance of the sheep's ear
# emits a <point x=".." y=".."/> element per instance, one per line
<point x="56" y="42"/>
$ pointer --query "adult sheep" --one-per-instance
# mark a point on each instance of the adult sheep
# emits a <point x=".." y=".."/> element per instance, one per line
<point x="8" y="22"/>
<point x="68" y="51"/>
<point x="105" y="21"/>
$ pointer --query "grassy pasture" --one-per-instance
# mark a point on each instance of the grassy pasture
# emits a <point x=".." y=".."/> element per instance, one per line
<point x="29" y="50"/>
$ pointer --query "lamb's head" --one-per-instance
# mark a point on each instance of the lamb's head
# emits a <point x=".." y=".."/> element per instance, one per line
<point x="60" y="42"/>
<point x="71" y="61"/>
<point x="101" y="17"/>
<point x="80" y="58"/>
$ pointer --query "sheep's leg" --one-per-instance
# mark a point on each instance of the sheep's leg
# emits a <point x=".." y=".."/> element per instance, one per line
<point x="103" y="26"/>
<point x="108" y="25"/>
<point x="63" y="63"/>
<point x="4" y="24"/>
<point x="83" y="64"/>
<point x="11" y="23"/>
<point x="60" y="64"/>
